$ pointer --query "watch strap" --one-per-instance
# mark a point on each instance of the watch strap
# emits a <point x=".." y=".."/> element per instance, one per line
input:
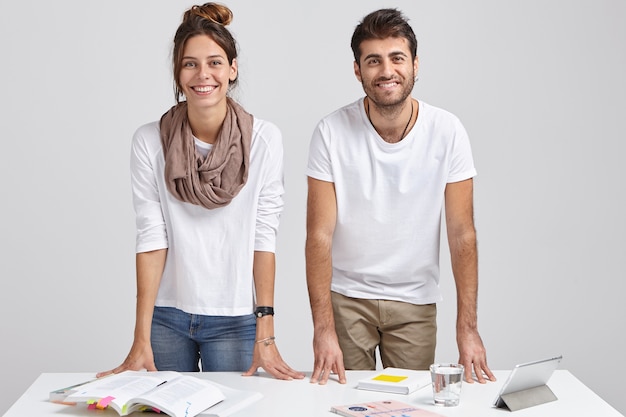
<point x="262" y="311"/>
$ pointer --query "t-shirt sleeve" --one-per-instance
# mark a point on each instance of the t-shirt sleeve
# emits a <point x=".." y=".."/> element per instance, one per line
<point x="270" y="204"/>
<point x="461" y="161"/>
<point x="151" y="231"/>
<point x="319" y="164"/>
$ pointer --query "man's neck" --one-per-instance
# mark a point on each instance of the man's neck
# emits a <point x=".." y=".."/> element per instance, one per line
<point x="392" y="122"/>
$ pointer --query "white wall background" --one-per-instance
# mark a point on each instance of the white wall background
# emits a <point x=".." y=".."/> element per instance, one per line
<point x="539" y="85"/>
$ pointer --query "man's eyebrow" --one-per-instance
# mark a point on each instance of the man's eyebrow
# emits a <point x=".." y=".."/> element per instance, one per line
<point x="372" y="56"/>
<point x="391" y="54"/>
<point x="396" y="53"/>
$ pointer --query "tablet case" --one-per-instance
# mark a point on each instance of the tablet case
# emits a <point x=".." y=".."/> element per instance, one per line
<point x="529" y="384"/>
<point x="527" y="398"/>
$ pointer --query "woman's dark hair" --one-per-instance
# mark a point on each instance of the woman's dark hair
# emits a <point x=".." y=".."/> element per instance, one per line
<point x="211" y="20"/>
<point x="382" y="24"/>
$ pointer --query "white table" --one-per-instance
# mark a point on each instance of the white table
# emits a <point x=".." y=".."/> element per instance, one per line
<point x="303" y="399"/>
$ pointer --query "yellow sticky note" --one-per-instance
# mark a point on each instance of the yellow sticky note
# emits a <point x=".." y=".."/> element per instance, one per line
<point x="390" y="378"/>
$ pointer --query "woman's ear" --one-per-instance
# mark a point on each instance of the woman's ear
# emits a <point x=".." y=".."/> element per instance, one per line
<point x="233" y="71"/>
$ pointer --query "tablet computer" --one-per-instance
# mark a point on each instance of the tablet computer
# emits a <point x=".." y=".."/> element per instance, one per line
<point x="526" y="376"/>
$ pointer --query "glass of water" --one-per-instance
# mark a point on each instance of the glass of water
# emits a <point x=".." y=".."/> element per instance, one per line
<point x="447" y="378"/>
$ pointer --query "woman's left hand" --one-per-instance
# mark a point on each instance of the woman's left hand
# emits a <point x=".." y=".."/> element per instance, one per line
<point x="266" y="356"/>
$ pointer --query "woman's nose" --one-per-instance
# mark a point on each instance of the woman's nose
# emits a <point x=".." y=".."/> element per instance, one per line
<point x="204" y="71"/>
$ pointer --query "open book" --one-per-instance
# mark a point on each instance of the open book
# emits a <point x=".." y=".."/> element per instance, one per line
<point x="172" y="393"/>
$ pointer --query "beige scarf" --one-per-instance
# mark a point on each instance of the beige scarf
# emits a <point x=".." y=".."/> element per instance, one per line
<point x="213" y="181"/>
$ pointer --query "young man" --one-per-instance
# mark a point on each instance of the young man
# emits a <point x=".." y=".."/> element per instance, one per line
<point x="380" y="172"/>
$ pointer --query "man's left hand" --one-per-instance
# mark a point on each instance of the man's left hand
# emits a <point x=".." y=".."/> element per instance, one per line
<point x="473" y="356"/>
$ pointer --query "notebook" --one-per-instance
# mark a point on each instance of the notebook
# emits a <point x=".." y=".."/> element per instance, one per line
<point x="395" y="380"/>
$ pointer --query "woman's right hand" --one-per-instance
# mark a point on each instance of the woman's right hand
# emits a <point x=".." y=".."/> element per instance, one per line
<point x="139" y="358"/>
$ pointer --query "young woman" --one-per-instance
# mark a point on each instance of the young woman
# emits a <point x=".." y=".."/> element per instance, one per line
<point x="207" y="187"/>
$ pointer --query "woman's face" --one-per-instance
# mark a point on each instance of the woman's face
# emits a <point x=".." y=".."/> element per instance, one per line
<point x="205" y="72"/>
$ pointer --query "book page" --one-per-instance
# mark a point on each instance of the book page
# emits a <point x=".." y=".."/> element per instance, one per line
<point x="236" y="399"/>
<point x="183" y="396"/>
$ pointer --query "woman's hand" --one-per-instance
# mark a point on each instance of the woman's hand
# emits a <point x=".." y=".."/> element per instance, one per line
<point x="139" y="358"/>
<point x="266" y="356"/>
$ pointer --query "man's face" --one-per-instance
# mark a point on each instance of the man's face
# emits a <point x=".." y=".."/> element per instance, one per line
<point x="386" y="70"/>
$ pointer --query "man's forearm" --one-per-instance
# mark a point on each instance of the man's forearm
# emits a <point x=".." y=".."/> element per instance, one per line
<point x="464" y="258"/>
<point x="318" y="276"/>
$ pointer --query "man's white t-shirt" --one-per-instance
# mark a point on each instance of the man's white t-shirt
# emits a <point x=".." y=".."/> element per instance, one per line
<point x="389" y="200"/>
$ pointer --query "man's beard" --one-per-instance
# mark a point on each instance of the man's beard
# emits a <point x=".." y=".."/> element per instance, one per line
<point x="384" y="102"/>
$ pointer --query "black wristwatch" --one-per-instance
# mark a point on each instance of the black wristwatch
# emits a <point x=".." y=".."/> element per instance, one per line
<point x="263" y="311"/>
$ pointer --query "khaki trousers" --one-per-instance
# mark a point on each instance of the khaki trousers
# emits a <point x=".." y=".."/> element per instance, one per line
<point x="405" y="334"/>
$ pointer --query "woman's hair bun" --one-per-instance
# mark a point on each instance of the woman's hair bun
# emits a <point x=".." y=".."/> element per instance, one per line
<point x="216" y="13"/>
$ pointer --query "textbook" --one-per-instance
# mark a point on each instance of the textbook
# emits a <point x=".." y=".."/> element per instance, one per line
<point x="395" y="380"/>
<point x="386" y="408"/>
<point x="59" y="395"/>
<point x="168" y="392"/>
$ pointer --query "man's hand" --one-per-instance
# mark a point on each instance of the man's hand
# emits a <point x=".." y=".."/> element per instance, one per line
<point x="473" y="356"/>
<point x="328" y="358"/>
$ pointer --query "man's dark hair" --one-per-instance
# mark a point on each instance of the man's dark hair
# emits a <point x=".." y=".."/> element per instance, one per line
<point x="381" y="24"/>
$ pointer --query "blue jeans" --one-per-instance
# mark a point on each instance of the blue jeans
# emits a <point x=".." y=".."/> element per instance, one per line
<point x="220" y="343"/>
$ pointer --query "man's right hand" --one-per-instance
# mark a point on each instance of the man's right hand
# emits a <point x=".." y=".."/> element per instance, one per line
<point x="328" y="358"/>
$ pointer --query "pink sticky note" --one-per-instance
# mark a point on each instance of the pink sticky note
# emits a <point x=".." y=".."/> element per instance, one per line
<point x="104" y="402"/>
